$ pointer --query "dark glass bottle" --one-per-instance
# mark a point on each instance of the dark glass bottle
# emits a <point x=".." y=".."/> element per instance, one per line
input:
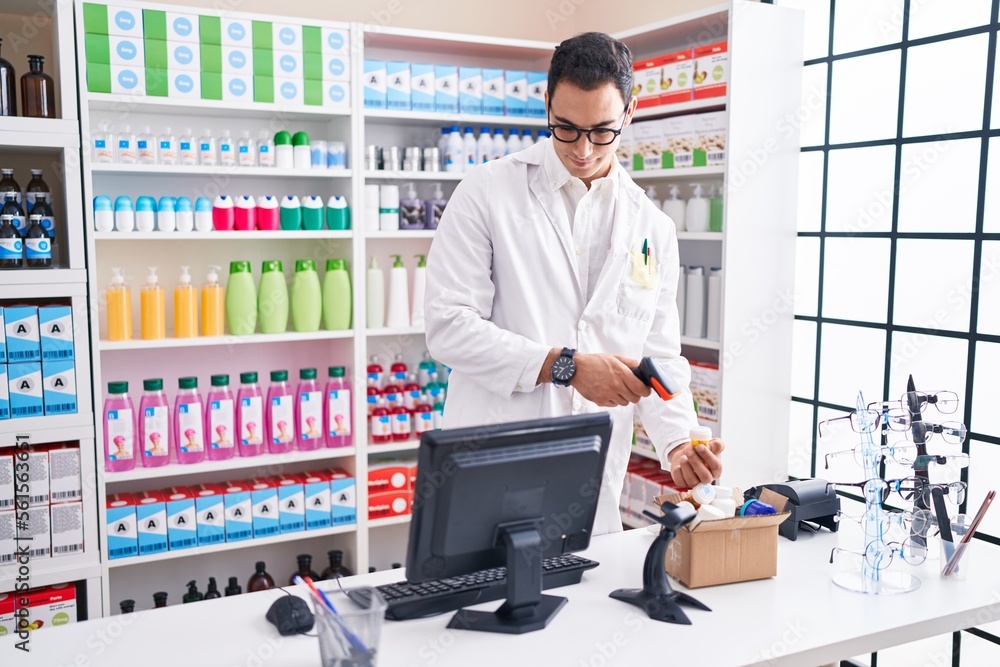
<point x="234" y="587"/>
<point x="371" y="569"/>
<point x="128" y="606"/>
<point x="38" y="95"/>
<point x="305" y="569"/>
<point x="337" y="568"/>
<point x="44" y="209"/>
<point x="261" y="580"/>
<point x="8" y="184"/>
<point x="11" y="245"/>
<point x="193" y="594"/>
<point x="159" y="600"/>
<point x="37" y="245"/>
<point x="213" y="590"/>
<point x="13" y="209"/>
<point x="36" y="186"/>
<point x="8" y="93"/>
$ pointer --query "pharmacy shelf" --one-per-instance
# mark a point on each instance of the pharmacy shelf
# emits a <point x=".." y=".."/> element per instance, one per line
<point x="708" y="104"/>
<point x="269" y="462"/>
<point x="69" y="129"/>
<point x="643" y="450"/>
<point x="699" y="236"/>
<point x="255" y="339"/>
<point x="25" y="279"/>
<point x="403" y="331"/>
<point x="199" y="170"/>
<point x="231" y="546"/>
<point x="375" y="449"/>
<point x="683" y="173"/>
<point x="390" y="521"/>
<point x="442" y="119"/>
<point x="300" y="235"/>
<point x="703" y="343"/>
<point x="413" y="176"/>
<point x="174" y="105"/>
<point x="53" y="428"/>
<point x="402" y="234"/>
<point x="629" y="522"/>
<point x="59" y="570"/>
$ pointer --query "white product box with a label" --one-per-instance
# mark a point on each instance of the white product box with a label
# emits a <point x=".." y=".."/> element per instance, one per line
<point x="67" y="529"/>
<point x="710" y="143"/>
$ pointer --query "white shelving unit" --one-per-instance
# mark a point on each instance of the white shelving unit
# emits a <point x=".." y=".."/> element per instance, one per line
<point x="54" y="145"/>
<point x="264" y="172"/>
<point x="300" y="235"/>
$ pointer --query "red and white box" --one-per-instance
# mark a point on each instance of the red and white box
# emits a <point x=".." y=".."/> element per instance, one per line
<point x="711" y="70"/>
<point x="51" y="606"/>
<point x="647" y="81"/>
<point x="677" y="77"/>
<point x="388" y="476"/>
<point x="389" y="504"/>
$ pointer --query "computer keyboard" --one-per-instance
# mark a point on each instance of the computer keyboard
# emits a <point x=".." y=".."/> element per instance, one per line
<point x="407" y="600"/>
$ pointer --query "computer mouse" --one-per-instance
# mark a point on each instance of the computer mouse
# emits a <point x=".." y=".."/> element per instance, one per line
<point x="360" y="596"/>
<point x="291" y="615"/>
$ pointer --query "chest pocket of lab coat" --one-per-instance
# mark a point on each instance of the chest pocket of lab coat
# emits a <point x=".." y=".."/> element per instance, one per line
<point x="639" y="287"/>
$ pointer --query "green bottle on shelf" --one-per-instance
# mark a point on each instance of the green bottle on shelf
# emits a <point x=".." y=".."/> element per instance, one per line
<point x="272" y="299"/>
<point x="241" y="300"/>
<point x="307" y="302"/>
<point x="336" y="296"/>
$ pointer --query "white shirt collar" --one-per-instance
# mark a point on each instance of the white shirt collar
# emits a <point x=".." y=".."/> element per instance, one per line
<point x="557" y="176"/>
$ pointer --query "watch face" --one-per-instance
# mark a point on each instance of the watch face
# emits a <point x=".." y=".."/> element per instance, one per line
<point x="563" y="369"/>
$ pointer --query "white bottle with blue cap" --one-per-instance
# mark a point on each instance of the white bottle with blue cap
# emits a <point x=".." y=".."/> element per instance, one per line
<point x="104" y="215"/>
<point x="469" y="149"/>
<point x="484" y="146"/>
<point x="513" y="142"/>
<point x="203" y="215"/>
<point x="124" y="214"/>
<point x="166" y="215"/>
<point x="454" y="160"/>
<point x="185" y="215"/>
<point x="526" y="140"/>
<point x="145" y="214"/>
<point x="443" y="146"/>
<point x="499" y="145"/>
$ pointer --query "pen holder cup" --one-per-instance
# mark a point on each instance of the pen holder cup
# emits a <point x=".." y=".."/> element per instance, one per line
<point x="954" y="561"/>
<point x="350" y="637"/>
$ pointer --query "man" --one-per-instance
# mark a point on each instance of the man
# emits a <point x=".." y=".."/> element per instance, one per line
<point x="552" y="273"/>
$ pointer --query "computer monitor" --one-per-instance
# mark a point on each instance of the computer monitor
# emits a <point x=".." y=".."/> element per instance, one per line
<point x="510" y="494"/>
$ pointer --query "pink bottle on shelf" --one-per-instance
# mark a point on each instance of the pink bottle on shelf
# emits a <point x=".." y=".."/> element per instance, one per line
<point x="280" y="414"/>
<point x="245" y="213"/>
<point x="309" y="411"/>
<point x="250" y="416"/>
<point x="119" y="429"/>
<point x="154" y="424"/>
<point x="189" y="422"/>
<point x="268" y="213"/>
<point x="338" y="409"/>
<point x="220" y="430"/>
<point x="223" y="217"/>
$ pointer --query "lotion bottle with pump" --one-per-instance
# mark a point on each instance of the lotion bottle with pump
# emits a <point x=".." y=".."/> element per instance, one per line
<point x="376" y="295"/>
<point x="419" y="289"/>
<point x="398" y="315"/>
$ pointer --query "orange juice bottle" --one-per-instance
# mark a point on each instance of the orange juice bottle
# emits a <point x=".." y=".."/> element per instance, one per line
<point x="213" y="304"/>
<point x="185" y="307"/>
<point x="119" y="303"/>
<point x="152" y="308"/>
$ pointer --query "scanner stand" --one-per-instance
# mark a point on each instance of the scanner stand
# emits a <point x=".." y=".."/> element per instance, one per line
<point x="656" y="597"/>
<point x="526" y="609"/>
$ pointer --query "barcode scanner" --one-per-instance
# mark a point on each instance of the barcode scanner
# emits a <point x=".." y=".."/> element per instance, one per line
<point x="654" y="375"/>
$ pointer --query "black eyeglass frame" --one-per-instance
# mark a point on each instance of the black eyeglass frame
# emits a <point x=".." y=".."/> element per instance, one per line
<point x="580" y="131"/>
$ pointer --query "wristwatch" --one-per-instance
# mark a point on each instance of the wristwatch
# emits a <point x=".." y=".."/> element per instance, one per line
<point x="563" y="368"/>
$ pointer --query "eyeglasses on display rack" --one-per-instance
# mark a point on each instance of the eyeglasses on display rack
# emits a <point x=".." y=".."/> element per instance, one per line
<point x="903" y="453"/>
<point x="859" y="421"/>
<point x="915" y="402"/>
<point x="879" y="554"/>
<point x="918" y="522"/>
<point x="909" y="489"/>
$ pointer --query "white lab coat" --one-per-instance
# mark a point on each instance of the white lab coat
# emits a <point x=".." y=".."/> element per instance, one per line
<point x="502" y="291"/>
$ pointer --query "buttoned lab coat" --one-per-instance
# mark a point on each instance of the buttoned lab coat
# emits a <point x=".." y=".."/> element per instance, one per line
<point x="502" y="290"/>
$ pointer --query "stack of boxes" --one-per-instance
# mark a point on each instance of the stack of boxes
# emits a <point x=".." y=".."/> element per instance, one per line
<point x="54" y="523"/>
<point x="644" y="481"/>
<point x="191" y="56"/>
<point x="179" y="518"/>
<point x="402" y="86"/>
<point x="691" y="74"/>
<point x="37" y="362"/>
<point x="49" y="606"/>
<point x="693" y="140"/>
<point x="390" y="488"/>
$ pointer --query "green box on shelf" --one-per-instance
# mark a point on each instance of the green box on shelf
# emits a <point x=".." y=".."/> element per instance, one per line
<point x="154" y="24"/>
<point x="210" y="30"/>
<point x="211" y="85"/>
<point x="98" y="77"/>
<point x="312" y="66"/>
<point x="312" y="91"/>
<point x="263" y="62"/>
<point x="211" y="58"/>
<point x="97" y="48"/>
<point x="95" y="19"/>
<point x="262" y="35"/>
<point x="312" y="39"/>
<point x="156" y="53"/>
<point x="157" y="82"/>
<point x="263" y="89"/>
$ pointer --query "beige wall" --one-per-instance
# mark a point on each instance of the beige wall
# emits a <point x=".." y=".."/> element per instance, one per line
<point x="546" y="20"/>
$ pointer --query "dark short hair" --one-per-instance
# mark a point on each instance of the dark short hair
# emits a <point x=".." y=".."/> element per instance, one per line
<point x="591" y="60"/>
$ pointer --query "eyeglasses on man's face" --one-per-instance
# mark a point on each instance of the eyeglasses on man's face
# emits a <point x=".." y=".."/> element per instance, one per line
<point x="599" y="136"/>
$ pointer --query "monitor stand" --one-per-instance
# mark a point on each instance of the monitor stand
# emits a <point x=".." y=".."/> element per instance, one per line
<point x="526" y="609"/>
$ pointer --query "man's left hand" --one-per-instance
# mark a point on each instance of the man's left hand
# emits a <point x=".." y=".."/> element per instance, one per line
<point x="691" y="466"/>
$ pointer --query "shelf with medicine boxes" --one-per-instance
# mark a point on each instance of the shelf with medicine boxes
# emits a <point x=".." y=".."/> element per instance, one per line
<point x="376" y="449"/>
<point x="234" y="172"/>
<point x="123" y="103"/>
<point x="402" y="234"/>
<point x="228" y="340"/>
<point x="679" y="173"/>
<point x="390" y="521"/>
<point x="439" y="119"/>
<point x="163" y="237"/>
<point x="412" y="176"/>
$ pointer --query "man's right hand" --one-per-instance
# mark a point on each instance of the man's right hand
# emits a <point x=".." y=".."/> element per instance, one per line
<point x="607" y="380"/>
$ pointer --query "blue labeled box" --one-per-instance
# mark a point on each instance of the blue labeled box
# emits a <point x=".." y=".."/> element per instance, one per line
<point x="374" y="84"/>
<point x="397" y="76"/>
<point x="55" y="326"/>
<point x="23" y="343"/>
<point x="59" y="387"/>
<point x="3" y="339"/>
<point x="446" y="89"/>
<point x="291" y="504"/>
<point x="343" y="498"/>
<point x="422" y="87"/>
<point x="516" y="89"/>
<point x="123" y="539"/>
<point x="494" y="91"/>
<point x="182" y="523"/>
<point x="25" y="385"/>
<point x="316" y="487"/>
<point x="239" y="512"/>
<point x="537" y="85"/>
<point x="4" y="393"/>
<point x="264" y="498"/>
<point x="210" y="514"/>
<point x="151" y="522"/>
<point x="470" y="90"/>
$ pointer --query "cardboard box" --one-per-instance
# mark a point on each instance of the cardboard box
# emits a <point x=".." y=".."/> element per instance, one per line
<point x="25" y="386"/>
<point x="446" y="89"/>
<point x="8" y="539"/>
<point x="336" y="94"/>
<point x="647" y="146"/>
<point x="679" y="139"/>
<point x="710" y="138"/>
<point x="724" y="551"/>
<point x="388" y="476"/>
<point x="316" y="487"/>
<point x="102" y="19"/>
<point x="413" y="476"/>
<point x="183" y="84"/>
<point x="23" y="341"/>
<point x="239" y="512"/>
<point x="182" y="522"/>
<point x="66" y="522"/>
<point x="51" y="606"/>
<point x="237" y="60"/>
<point x="389" y="504"/>
<point x="646" y="81"/>
<point x="38" y="478"/>
<point x="262" y="35"/>
<point x="237" y="88"/>
<point x="55" y="325"/>
<point x="4" y="393"/>
<point x="335" y="41"/>
<point x="711" y="70"/>
<point x="288" y="64"/>
<point x="397" y="85"/>
<point x="291" y="504"/>
<point x="263" y="88"/>
<point x="423" y="87"/>
<point x="65" y="483"/>
<point x="706" y="382"/>
<point x="183" y="57"/>
<point x="211" y="60"/>
<point x="182" y="28"/>
<point x="210" y="513"/>
<point x="6" y="481"/>
<point x="494" y="91"/>
<point x="37" y="532"/>
<point x="154" y="24"/>
<point x="236" y="32"/>
<point x="151" y="522"/>
<point x="123" y="536"/>
<point x="209" y="31"/>
<point x="516" y="92"/>
<point x="59" y="387"/>
<point x="108" y="50"/>
<point x="264" y="498"/>
<point x="289" y="91"/>
<point x="470" y="90"/>
<point x="677" y="77"/>
<point x="537" y="85"/>
<point x="336" y="68"/>
<point x="343" y="498"/>
<point x="287" y="36"/>
<point x="375" y="84"/>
